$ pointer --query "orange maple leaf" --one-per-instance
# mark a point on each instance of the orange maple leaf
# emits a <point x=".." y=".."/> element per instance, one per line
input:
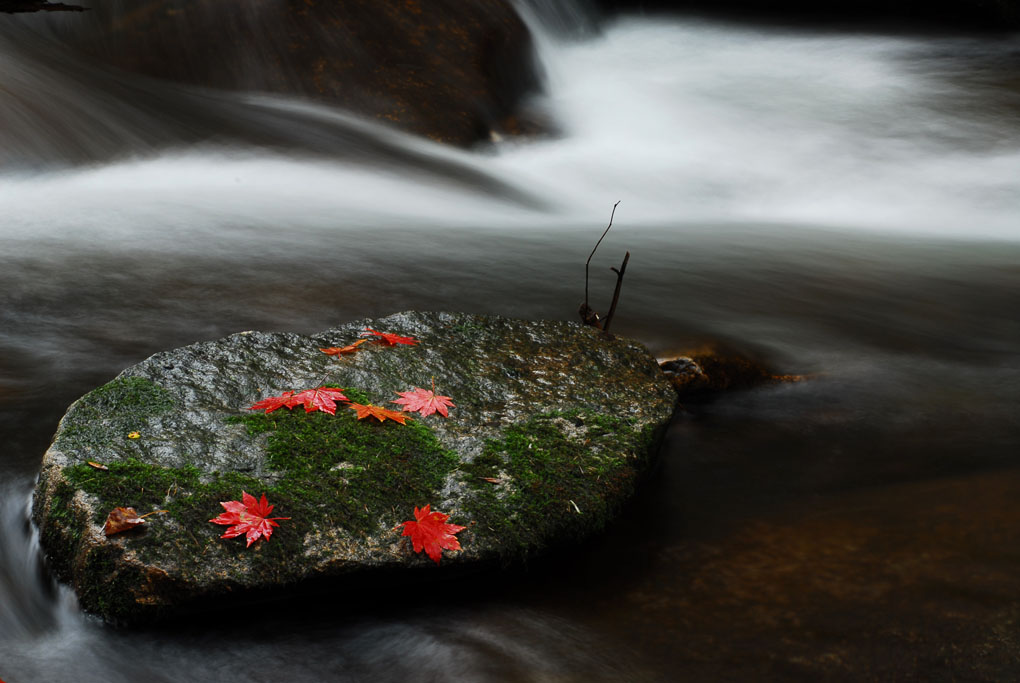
<point x="430" y="531"/>
<point x="378" y="412"/>
<point x="341" y="350"/>
<point x="388" y="338"/>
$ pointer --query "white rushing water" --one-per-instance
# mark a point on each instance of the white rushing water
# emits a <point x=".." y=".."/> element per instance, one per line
<point x="713" y="122"/>
<point x="683" y="120"/>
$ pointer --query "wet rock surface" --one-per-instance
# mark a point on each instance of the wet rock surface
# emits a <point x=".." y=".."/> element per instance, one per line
<point x="553" y="426"/>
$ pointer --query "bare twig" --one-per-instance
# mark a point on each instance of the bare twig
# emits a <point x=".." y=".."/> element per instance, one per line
<point x="588" y="315"/>
<point x="588" y="262"/>
<point x="616" y="292"/>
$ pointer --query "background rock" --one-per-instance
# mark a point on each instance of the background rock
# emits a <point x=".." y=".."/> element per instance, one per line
<point x="453" y="70"/>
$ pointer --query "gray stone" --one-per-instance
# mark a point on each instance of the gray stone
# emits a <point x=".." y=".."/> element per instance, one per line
<point x="553" y="426"/>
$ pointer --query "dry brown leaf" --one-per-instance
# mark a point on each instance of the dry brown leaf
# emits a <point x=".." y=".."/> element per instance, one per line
<point x="123" y="519"/>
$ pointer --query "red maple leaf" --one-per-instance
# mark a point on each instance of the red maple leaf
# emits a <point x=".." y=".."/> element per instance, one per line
<point x="424" y="401"/>
<point x="323" y="398"/>
<point x="250" y="517"/>
<point x="430" y="531"/>
<point x="341" y="350"/>
<point x="387" y="338"/>
<point x="378" y="412"/>
<point x="273" y="402"/>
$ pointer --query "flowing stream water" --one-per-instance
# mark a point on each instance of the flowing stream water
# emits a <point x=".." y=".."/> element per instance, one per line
<point x="841" y="204"/>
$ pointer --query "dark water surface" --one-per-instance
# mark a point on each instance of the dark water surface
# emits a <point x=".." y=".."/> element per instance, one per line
<point x="841" y="206"/>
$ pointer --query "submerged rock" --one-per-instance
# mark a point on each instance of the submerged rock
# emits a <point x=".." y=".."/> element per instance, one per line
<point x="703" y="373"/>
<point x="552" y="428"/>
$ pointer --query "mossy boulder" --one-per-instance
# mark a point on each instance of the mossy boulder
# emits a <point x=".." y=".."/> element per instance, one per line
<point x="553" y="426"/>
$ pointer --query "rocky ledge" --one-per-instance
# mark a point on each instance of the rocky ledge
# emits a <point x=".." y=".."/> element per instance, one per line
<point x="553" y="426"/>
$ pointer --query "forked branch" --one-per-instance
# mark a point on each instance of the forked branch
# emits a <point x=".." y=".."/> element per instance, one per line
<point x="588" y="262"/>
<point x="589" y="315"/>
<point x="616" y="292"/>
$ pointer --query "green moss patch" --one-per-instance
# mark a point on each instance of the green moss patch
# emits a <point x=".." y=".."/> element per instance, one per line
<point x="561" y="476"/>
<point x="326" y="472"/>
<point x="356" y="472"/>
<point x="103" y="417"/>
<point x="132" y="483"/>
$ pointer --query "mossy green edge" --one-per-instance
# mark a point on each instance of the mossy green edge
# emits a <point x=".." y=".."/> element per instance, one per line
<point x="334" y="470"/>
<point x="555" y="488"/>
<point x="104" y="416"/>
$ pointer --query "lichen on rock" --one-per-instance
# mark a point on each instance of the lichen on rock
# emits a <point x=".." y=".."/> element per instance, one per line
<point x="553" y="426"/>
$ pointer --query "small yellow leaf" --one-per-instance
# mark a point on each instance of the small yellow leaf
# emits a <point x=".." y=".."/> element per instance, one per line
<point x="135" y="435"/>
